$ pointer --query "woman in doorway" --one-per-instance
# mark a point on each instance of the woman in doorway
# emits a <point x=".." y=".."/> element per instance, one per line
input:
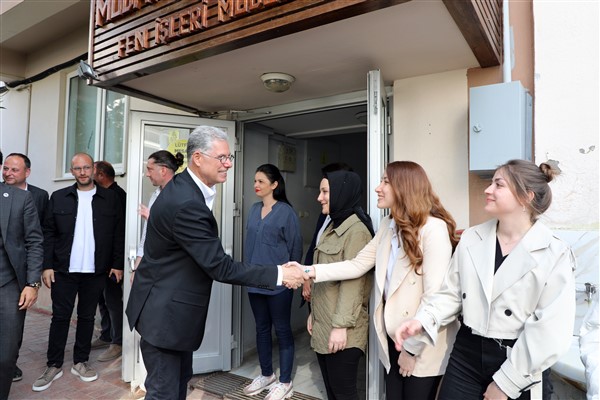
<point x="410" y="252"/>
<point x="339" y="320"/>
<point x="272" y="237"/>
<point x="511" y="284"/>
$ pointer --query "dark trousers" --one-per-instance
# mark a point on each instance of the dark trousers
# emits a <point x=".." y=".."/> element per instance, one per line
<point x="169" y="372"/>
<point x="398" y="387"/>
<point x="66" y="287"/>
<point x="473" y="362"/>
<point x="274" y="311"/>
<point x="11" y="330"/>
<point x="339" y="373"/>
<point x="110" y="305"/>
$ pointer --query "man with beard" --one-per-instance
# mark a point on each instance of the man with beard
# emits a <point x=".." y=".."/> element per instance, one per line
<point x="83" y="242"/>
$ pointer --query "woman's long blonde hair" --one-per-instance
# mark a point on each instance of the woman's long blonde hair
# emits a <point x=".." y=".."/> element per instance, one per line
<point x="414" y="202"/>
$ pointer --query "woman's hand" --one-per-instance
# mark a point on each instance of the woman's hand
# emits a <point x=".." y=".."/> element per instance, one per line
<point x="405" y="330"/>
<point x="406" y="363"/>
<point x="306" y="287"/>
<point x="337" y="340"/>
<point x="309" y="324"/>
<point x="494" y="392"/>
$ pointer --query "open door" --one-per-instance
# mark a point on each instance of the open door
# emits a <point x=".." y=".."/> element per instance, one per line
<point x="149" y="133"/>
<point x="377" y="125"/>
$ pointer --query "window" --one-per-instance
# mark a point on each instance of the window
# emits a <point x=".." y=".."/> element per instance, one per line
<point x="95" y="124"/>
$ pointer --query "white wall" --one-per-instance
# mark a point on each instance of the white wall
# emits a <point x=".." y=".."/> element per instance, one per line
<point x="13" y="121"/>
<point x="566" y="107"/>
<point x="430" y="117"/>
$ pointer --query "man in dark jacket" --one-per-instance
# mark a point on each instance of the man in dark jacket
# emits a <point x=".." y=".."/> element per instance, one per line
<point x="169" y="299"/>
<point x="21" y="255"/>
<point x="110" y="303"/>
<point x="15" y="171"/>
<point x="83" y="241"/>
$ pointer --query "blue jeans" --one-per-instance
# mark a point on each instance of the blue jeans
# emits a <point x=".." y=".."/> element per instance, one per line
<point x="274" y="311"/>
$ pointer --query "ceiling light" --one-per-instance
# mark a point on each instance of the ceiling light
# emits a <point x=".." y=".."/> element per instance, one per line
<point x="277" y="81"/>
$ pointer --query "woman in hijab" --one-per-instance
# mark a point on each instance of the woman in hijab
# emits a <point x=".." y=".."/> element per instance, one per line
<point x="339" y="320"/>
<point x="410" y="254"/>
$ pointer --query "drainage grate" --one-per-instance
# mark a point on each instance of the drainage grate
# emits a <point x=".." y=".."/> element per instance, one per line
<point x="221" y="383"/>
<point x="230" y="387"/>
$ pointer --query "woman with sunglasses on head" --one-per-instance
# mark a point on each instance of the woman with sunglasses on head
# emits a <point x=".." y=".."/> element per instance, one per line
<point x="410" y="253"/>
<point x="339" y="318"/>
<point x="511" y="284"/>
<point x="272" y="237"/>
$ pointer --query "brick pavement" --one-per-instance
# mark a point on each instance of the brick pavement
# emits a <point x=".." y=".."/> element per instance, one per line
<point x="32" y="360"/>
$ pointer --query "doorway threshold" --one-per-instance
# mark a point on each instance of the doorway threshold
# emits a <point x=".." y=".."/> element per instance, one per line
<point x="228" y="386"/>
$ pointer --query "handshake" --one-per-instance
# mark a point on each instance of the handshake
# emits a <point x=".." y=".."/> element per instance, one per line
<point x="295" y="274"/>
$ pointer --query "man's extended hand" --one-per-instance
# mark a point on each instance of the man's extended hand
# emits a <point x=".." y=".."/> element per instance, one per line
<point x="308" y="270"/>
<point x="293" y="277"/>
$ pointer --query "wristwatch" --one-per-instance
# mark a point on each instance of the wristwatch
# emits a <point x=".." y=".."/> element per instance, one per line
<point x="36" y="285"/>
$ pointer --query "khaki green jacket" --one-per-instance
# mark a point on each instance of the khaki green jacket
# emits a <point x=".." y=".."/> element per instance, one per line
<point x="341" y="304"/>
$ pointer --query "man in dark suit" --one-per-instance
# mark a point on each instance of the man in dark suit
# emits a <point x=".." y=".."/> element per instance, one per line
<point x="169" y="300"/>
<point x="110" y="303"/>
<point x="15" y="171"/>
<point x="21" y="257"/>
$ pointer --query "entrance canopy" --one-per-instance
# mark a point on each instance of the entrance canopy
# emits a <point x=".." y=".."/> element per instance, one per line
<point x="207" y="56"/>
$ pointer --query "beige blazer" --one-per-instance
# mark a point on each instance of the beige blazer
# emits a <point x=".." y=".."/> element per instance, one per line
<point x="531" y="298"/>
<point x="405" y="292"/>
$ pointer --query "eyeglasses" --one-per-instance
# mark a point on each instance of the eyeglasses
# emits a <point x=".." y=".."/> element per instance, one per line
<point x="85" y="168"/>
<point x="222" y="159"/>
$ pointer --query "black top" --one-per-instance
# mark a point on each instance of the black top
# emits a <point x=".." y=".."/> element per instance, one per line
<point x="499" y="257"/>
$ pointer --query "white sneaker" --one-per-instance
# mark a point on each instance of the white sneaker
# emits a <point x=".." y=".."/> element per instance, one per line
<point x="280" y="391"/>
<point x="259" y="384"/>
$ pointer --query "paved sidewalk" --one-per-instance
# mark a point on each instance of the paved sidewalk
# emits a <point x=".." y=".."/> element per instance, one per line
<point x="32" y="360"/>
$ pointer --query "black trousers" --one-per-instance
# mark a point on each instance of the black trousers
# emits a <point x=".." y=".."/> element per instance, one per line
<point x="68" y="286"/>
<point x="110" y="305"/>
<point x="398" y="387"/>
<point x="473" y="362"/>
<point x="169" y="372"/>
<point x="339" y="373"/>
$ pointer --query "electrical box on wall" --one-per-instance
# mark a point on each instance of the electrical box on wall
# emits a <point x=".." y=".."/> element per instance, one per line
<point x="500" y="118"/>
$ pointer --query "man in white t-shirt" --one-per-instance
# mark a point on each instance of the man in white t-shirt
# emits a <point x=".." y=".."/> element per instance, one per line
<point x="83" y="242"/>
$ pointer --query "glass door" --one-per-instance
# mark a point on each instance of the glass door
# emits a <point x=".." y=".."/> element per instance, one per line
<point x="149" y="133"/>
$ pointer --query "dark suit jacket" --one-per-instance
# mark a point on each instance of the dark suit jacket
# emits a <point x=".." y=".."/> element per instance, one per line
<point x="121" y="194"/>
<point x="40" y="197"/>
<point x="183" y="254"/>
<point x="21" y="233"/>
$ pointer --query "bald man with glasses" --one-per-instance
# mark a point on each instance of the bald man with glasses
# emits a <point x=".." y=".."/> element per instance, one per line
<point x="83" y="243"/>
